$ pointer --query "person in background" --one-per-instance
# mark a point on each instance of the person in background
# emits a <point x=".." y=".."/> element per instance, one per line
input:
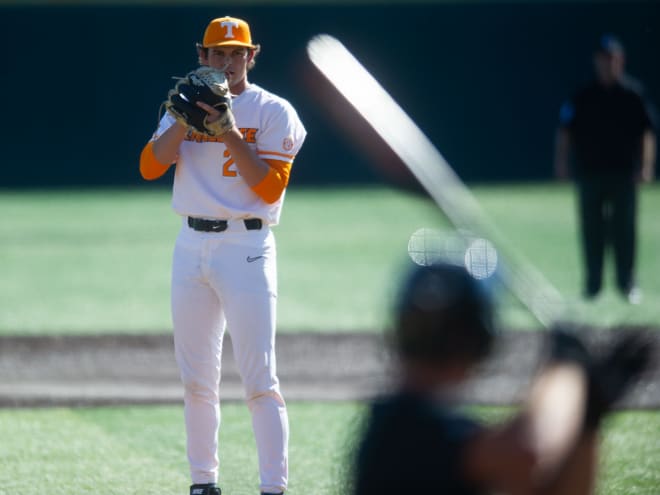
<point x="606" y="143"/>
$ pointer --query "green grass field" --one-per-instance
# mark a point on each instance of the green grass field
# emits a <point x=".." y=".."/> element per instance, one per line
<point x="98" y="261"/>
<point x="95" y="261"/>
<point x="140" y="450"/>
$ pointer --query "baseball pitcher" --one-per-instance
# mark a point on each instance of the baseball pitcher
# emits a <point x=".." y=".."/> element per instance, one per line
<point x="233" y="144"/>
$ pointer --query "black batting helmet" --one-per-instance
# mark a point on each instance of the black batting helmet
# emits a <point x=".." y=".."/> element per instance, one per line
<point x="443" y="313"/>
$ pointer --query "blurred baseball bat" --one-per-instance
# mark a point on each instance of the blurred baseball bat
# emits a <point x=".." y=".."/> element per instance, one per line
<point x="556" y="403"/>
<point x="356" y="86"/>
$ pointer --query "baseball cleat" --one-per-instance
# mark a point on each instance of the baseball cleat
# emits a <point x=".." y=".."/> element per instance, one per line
<point x="206" y="489"/>
<point x="634" y="295"/>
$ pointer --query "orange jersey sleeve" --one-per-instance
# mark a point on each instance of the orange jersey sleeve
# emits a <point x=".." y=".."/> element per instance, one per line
<point x="150" y="167"/>
<point x="272" y="186"/>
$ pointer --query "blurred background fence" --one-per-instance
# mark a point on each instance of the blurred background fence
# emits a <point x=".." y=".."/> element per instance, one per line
<point x="82" y="83"/>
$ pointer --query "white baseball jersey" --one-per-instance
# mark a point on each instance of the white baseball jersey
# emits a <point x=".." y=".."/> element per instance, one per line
<point x="228" y="280"/>
<point x="206" y="182"/>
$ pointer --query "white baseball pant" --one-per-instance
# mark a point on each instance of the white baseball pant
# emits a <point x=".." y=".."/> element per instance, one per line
<point x="229" y="280"/>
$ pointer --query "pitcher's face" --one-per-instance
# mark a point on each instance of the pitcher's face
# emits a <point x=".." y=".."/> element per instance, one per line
<point x="233" y="60"/>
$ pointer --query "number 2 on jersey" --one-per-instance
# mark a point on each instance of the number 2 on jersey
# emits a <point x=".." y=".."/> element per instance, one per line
<point x="227" y="169"/>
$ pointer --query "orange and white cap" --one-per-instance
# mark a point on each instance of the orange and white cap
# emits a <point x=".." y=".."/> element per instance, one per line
<point x="227" y="31"/>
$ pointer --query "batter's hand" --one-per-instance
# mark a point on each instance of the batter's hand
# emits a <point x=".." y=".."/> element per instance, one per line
<point x="609" y="374"/>
<point x="612" y="374"/>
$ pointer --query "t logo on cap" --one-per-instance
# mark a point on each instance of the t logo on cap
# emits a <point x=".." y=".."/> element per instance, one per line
<point x="227" y="31"/>
<point x="230" y="25"/>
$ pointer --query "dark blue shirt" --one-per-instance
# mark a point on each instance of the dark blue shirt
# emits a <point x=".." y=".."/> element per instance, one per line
<point x="412" y="445"/>
<point x="606" y="125"/>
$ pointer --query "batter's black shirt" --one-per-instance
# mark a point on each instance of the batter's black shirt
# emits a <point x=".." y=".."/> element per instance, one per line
<point x="606" y="124"/>
<point x="412" y="445"/>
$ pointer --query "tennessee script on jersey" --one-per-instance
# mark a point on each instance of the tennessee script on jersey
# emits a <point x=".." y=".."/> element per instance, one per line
<point x="249" y="136"/>
<point x="206" y="181"/>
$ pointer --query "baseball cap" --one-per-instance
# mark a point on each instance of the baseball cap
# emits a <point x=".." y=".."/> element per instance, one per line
<point x="227" y="31"/>
<point x="610" y="44"/>
<point x="443" y="312"/>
